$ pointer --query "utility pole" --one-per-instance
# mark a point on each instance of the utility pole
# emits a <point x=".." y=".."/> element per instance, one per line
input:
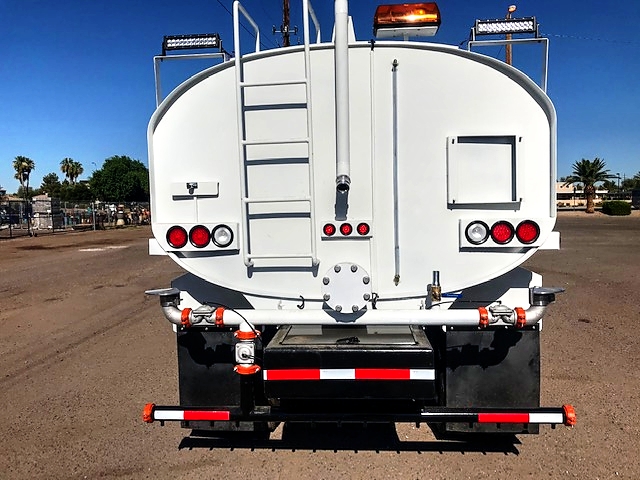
<point x="285" y="23"/>
<point x="284" y="28"/>
<point x="507" y="47"/>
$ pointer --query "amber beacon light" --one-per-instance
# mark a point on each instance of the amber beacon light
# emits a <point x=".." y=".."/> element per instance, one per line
<point x="406" y="20"/>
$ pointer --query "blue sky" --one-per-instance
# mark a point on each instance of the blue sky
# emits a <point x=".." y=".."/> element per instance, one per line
<point x="76" y="76"/>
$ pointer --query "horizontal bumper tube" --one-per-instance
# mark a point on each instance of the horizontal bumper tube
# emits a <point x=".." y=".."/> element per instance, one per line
<point x="564" y="415"/>
<point x="231" y="318"/>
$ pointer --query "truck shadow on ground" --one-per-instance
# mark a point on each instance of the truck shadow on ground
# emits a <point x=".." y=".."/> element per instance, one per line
<point x="349" y="437"/>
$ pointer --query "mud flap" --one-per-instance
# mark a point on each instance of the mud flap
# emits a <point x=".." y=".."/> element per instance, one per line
<point x="495" y="368"/>
<point x="206" y="378"/>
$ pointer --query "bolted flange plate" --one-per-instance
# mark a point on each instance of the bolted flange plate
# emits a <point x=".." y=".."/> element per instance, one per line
<point x="346" y="287"/>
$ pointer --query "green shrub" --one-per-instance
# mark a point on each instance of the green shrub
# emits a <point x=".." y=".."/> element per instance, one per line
<point x="616" y="207"/>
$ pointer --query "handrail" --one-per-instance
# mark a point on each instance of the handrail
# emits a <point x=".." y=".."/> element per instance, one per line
<point x="308" y="8"/>
<point x="237" y="7"/>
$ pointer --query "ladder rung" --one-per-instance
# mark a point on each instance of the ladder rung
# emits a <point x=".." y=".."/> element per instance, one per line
<point x="275" y="142"/>
<point x="279" y="255"/>
<point x="272" y="84"/>
<point x="247" y="201"/>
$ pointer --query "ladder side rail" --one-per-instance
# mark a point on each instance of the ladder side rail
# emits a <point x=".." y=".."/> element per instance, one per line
<point x="307" y="10"/>
<point x="241" y="132"/>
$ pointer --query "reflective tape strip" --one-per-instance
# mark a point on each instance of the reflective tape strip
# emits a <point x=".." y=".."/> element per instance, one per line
<point x="350" y="374"/>
<point x="292" y="374"/>
<point x="422" y="374"/>
<point x="168" y="415"/>
<point x="382" y="374"/>
<point x="337" y="374"/>
<point x="191" y="415"/>
<point x="503" y="418"/>
<point x="546" y="418"/>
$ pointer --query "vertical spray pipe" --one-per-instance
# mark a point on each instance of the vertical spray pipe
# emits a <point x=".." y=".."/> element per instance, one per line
<point x="343" y="172"/>
<point x="396" y="226"/>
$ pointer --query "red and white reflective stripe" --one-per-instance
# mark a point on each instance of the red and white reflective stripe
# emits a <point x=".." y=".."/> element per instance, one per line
<point x="191" y="415"/>
<point x="351" y="374"/>
<point x="520" y="418"/>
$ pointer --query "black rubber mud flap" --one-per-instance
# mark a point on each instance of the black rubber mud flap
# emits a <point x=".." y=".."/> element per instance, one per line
<point x="497" y="368"/>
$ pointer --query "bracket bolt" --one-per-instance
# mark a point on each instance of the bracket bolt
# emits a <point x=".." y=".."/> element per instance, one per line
<point x="366" y="296"/>
<point x="338" y="308"/>
<point x="326" y="297"/>
<point x="355" y="308"/>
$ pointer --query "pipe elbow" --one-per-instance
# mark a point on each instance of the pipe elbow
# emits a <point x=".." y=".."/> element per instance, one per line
<point x="173" y="314"/>
<point x="534" y="314"/>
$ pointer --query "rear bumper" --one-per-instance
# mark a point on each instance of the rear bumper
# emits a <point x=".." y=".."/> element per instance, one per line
<point x="564" y="415"/>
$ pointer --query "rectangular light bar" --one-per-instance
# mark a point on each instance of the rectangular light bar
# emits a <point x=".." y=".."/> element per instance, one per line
<point x="190" y="42"/>
<point x="407" y="19"/>
<point x="507" y="25"/>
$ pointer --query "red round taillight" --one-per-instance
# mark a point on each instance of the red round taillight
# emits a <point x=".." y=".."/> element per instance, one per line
<point x="363" y="228"/>
<point x="346" y="229"/>
<point x="527" y="231"/>
<point x="199" y="236"/>
<point x="329" y="229"/>
<point x="177" y="237"/>
<point x="502" y="232"/>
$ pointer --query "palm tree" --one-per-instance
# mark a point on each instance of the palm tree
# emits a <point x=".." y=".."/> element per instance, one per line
<point x="589" y="172"/>
<point x="23" y="167"/>
<point x="66" y="166"/>
<point x="76" y="171"/>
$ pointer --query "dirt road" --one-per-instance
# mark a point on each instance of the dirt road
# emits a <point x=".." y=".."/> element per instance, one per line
<point x="82" y="350"/>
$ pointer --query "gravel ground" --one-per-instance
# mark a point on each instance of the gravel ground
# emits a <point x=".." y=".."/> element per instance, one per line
<point x="82" y="350"/>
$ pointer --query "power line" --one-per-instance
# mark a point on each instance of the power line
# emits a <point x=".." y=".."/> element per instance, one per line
<point x="591" y="39"/>
<point x="244" y="27"/>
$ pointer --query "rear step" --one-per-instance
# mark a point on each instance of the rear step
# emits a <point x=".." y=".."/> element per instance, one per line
<point x="564" y="415"/>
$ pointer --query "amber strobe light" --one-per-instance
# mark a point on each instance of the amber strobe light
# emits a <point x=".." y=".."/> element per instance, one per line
<point x="406" y="19"/>
<point x="177" y="237"/>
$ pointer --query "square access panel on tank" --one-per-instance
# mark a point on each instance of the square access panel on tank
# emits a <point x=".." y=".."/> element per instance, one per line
<point x="483" y="170"/>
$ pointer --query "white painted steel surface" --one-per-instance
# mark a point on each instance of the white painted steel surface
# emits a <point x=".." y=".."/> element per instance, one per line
<point x="443" y="93"/>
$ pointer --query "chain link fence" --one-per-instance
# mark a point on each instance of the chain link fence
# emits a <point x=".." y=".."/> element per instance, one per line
<point x="46" y="216"/>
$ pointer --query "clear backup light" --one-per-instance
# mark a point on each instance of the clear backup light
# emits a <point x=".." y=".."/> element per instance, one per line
<point x="502" y="232"/>
<point x="177" y="237"/>
<point x="527" y="232"/>
<point x="222" y="236"/>
<point x="477" y="232"/>
<point x="199" y="236"/>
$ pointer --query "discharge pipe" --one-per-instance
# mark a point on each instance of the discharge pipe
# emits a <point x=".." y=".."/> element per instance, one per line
<point x="341" y="42"/>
